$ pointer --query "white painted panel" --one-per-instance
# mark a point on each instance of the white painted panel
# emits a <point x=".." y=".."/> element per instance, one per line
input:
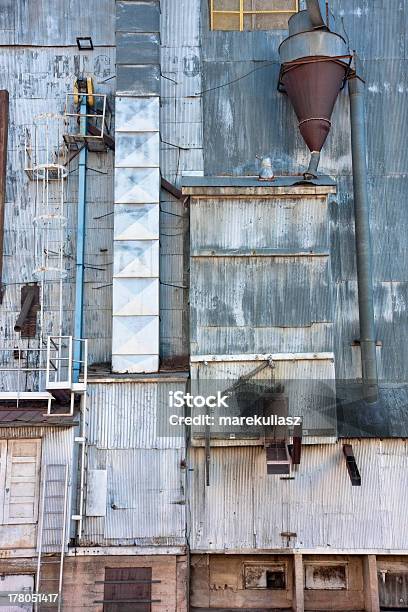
<point x="135" y="363"/>
<point x="136" y="258"/>
<point x="137" y="150"/>
<point x="22" y="482"/>
<point x="136" y="221"/>
<point x="17" y="583"/>
<point x="136" y="335"/>
<point x="137" y="185"/>
<point x="96" y="493"/>
<point x="137" y="114"/>
<point x="135" y="296"/>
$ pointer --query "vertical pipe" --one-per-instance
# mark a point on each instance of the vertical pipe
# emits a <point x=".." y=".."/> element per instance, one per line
<point x="80" y="246"/>
<point x="363" y="242"/>
<point x="4" y="118"/>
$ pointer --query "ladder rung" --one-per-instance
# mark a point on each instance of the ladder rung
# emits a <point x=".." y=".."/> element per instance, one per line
<point x="55" y="496"/>
<point x="54" y="480"/>
<point x="54" y="512"/>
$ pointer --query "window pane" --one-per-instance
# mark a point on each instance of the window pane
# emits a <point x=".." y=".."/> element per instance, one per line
<point x="226" y="5"/>
<point x="270" y="5"/>
<point x="225" y="22"/>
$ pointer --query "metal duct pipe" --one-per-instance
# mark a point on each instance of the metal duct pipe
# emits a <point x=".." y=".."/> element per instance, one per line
<point x="363" y="241"/>
<point x="311" y="172"/>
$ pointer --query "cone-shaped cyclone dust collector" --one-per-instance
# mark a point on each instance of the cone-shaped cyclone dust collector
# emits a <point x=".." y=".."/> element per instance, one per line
<point x="314" y="62"/>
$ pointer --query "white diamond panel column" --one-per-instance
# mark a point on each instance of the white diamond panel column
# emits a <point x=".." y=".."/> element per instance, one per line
<point x="135" y="335"/>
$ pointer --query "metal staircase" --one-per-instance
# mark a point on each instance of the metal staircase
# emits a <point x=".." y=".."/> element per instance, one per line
<point x="51" y="541"/>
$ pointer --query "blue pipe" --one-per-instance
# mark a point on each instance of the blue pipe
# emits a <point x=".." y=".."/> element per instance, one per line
<point x="80" y="246"/>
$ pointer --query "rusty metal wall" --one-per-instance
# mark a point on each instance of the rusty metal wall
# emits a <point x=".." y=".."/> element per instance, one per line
<point x="57" y="448"/>
<point x="245" y="116"/>
<point x="244" y="508"/>
<point x="145" y="496"/>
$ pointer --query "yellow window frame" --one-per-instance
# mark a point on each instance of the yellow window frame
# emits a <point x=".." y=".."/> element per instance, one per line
<point x="242" y="13"/>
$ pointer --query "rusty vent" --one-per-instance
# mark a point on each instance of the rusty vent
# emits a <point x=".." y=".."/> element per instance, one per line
<point x="128" y="588"/>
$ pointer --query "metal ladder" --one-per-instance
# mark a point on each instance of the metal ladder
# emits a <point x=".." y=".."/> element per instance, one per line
<point x="52" y="531"/>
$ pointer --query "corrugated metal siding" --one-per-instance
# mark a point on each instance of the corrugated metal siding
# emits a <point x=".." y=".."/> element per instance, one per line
<point x="181" y="152"/>
<point x="245" y="508"/>
<point x="260" y="275"/>
<point x="228" y="297"/>
<point x="244" y="116"/>
<point x="57" y="448"/>
<point x="38" y="80"/>
<point x="245" y="223"/>
<point x="309" y="385"/>
<point x="50" y="23"/>
<point x="128" y="416"/>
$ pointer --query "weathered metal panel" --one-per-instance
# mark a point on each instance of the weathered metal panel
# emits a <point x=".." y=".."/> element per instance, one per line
<point x="138" y="80"/>
<point x="319" y="505"/>
<point x="96" y="492"/>
<point x="181" y="152"/>
<point x="45" y="22"/>
<point x="57" y="448"/>
<point x="245" y="116"/>
<point x="130" y="437"/>
<point x="126" y="415"/>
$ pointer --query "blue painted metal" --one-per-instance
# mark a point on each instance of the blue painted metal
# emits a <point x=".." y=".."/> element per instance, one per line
<point x="80" y="245"/>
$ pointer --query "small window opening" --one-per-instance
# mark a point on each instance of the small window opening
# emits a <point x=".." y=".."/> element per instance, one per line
<point x="275" y="580"/>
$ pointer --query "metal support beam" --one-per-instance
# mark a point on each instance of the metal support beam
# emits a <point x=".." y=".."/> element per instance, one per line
<point x="80" y="246"/>
<point x="4" y="118"/>
<point x="363" y="242"/>
<point x="25" y="310"/>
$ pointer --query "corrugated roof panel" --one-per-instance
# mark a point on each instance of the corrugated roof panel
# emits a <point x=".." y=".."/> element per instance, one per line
<point x="296" y="290"/>
<point x="245" y="223"/>
<point x="45" y="22"/>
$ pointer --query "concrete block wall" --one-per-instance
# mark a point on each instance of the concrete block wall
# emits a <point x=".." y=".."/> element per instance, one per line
<point x="135" y="334"/>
